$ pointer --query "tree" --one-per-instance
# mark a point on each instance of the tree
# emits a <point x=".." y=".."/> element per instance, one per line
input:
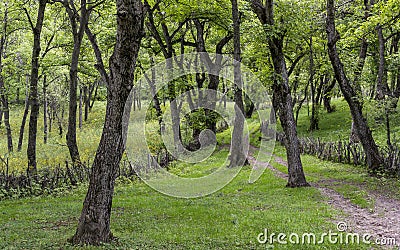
<point x="94" y="223"/>
<point x="4" y="109"/>
<point x="237" y="155"/>
<point x="374" y="159"/>
<point x="33" y="95"/>
<point x="77" y="34"/>
<point x="166" y="42"/>
<point x="282" y="98"/>
<point x="214" y="70"/>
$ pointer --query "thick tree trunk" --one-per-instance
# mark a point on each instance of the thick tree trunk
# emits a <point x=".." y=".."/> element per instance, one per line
<point x="374" y="159"/>
<point x="94" y="222"/>
<point x="33" y="95"/>
<point x="282" y="98"/>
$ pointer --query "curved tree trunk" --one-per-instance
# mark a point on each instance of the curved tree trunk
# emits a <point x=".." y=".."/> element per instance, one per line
<point x="374" y="159"/>
<point x="73" y="73"/>
<point x="94" y="222"/>
<point x="282" y="98"/>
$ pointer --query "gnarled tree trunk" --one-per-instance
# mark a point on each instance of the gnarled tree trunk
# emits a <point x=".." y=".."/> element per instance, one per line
<point x="282" y="98"/>
<point x="94" y="222"/>
<point x="374" y="159"/>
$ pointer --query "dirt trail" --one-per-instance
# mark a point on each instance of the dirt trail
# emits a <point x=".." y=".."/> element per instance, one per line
<point x="382" y="222"/>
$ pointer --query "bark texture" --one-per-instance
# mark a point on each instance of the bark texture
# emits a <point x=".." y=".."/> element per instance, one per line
<point x="282" y="98"/>
<point x="94" y="222"/>
<point x="33" y="95"/>
<point x="374" y="159"/>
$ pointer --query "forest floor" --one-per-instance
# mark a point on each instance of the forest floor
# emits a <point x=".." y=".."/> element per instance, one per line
<point x="232" y="217"/>
<point x="376" y="215"/>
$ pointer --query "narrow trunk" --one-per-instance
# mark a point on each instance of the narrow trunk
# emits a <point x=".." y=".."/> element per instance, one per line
<point x="45" y="110"/>
<point x="327" y="96"/>
<point x="33" y="95"/>
<point x="156" y="101"/>
<point x="374" y="159"/>
<point x="6" y="112"/>
<point x="314" y="115"/>
<point x="237" y="155"/>
<point x="86" y="102"/>
<point x="80" y="107"/>
<point x="25" y="115"/>
<point x="94" y="222"/>
<point x="1" y="114"/>
<point x="382" y="88"/>
<point x="73" y="75"/>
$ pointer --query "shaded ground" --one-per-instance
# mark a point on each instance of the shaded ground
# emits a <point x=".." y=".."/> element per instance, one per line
<point x="382" y="221"/>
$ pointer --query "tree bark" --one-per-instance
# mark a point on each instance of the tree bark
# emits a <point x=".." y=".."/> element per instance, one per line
<point x="25" y="115"/>
<point x="327" y="96"/>
<point x="6" y="112"/>
<point x="94" y="222"/>
<point x="4" y="109"/>
<point x="86" y="102"/>
<point x="374" y="159"/>
<point x="382" y="88"/>
<point x="281" y="95"/>
<point x="73" y="72"/>
<point x="33" y="95"/>
<point x="214" y="69"/>
<point x="237" y="155"/>
<point x="45" y="109"/>
<point x="156" y="101"/>
<point x="80" y="108"/>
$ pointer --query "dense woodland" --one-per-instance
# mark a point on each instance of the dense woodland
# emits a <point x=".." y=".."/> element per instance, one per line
<point x="61" y="60"/>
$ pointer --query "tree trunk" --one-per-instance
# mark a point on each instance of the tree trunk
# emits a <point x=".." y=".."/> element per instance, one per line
<point x="314" y="115"/>
<point x="327" y="96"/>
<point x="237" y="155"/>
<point x="25" y="115"/>
<point x="6" y="112"/>
<point x="1" y="114"/>
<point x="73" y="74"/>
<point x="33" y="95"/>
<point x="80" y="107"/>
<point x="283" y="103"/>
<point x="374" y="159"/>
<point x="382" y="88"/>
<point x="94" y="222"/>
<point x="86" y="102"/>
<point x="156" y="101"/>
<point x="214" y="69"/>
<point x="45" y="110"/>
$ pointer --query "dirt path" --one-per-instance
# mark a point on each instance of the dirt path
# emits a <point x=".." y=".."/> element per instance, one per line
<point x="382" y="222"/>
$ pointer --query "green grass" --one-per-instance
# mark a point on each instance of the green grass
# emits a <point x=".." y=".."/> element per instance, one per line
<point x="337" y="125"/>
<point x="352" y="182"/>
<point x="55" y="152"/>
<point x="231" y="218"/>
